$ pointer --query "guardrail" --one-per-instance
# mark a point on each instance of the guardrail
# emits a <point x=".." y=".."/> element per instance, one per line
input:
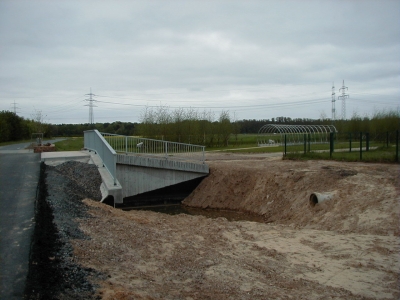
<point x="94" y="141"/>
<point x="155" y="148"/>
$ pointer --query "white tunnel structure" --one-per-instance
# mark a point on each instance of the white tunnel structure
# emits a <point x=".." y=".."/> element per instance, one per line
<point x="274" y="134"/>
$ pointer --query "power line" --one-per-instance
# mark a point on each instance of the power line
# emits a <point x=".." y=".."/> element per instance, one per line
<point x="185" y="100"/>
<point x="311" y="101"/>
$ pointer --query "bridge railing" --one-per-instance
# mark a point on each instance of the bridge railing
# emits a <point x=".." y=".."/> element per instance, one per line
<point x="155" y="148"/>
<point x="94" y="141"/>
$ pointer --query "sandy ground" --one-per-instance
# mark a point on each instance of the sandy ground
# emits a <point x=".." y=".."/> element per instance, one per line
<point x="346" y="248"/>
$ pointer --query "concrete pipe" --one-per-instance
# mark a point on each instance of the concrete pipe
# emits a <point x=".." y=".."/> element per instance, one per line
<point x="316" y="198"/>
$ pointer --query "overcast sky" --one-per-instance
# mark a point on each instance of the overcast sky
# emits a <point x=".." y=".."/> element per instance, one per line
<point x="255" y="59"/>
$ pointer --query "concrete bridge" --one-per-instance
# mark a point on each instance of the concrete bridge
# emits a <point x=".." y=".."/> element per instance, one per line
<point x="133" y="166"/>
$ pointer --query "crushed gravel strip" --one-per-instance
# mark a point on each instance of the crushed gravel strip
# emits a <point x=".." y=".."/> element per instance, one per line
<point x="53" y="272"/>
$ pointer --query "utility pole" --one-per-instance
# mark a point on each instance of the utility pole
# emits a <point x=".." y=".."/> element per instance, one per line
<point x="91" y="105"/>
<point x="343" y="97"/>
<point x="333" y="102"/>
<point x="15" y="107"/>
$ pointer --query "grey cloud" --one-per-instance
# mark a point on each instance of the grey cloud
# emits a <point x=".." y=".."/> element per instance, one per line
<point x="144" y="48"/>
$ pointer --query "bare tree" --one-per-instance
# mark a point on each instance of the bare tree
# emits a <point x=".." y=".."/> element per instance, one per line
<point x="38" y="124"/>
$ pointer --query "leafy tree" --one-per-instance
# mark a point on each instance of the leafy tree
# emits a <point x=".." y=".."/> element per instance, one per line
<point x="224" y="127"/>
<point x="12" y="127"/>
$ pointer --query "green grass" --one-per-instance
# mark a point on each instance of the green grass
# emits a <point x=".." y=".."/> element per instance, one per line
<point x="379" y="155"/>
<point x="71" y="144"/>
<point x="243" y="139"/>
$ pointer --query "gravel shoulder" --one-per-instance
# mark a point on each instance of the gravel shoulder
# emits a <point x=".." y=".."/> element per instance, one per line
<point x="345" y="248"/>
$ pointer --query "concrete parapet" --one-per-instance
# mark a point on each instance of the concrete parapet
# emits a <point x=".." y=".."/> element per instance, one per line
<point x="108" y="188"/>
<point x="162" y="163"/>
<point x="59" y="157"/>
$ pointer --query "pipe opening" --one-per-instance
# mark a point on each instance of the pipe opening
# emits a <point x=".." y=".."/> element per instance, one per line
<point x="316" y="198"/>
<point x="313" y="199"/>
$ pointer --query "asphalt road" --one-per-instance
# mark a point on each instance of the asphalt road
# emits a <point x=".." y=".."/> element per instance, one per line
<point x="24" y="145"/>
<point x="19" y="176"/>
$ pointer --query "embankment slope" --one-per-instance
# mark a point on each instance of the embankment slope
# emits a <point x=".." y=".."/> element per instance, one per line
<point x="366" y="199"/>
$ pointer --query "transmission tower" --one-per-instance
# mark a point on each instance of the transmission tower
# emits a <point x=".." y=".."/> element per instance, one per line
<point x="343" y="97"/>
<point x="333" y="102"/>
<point x="15" y="107"/>
<point x="91" y="105"/>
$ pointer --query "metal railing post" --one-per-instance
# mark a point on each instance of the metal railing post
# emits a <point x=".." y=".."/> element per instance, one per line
<point x="115" y="169"/>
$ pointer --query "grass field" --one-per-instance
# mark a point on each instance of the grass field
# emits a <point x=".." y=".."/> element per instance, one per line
<point x="70" y="144"/>
<point x="380" y="154"/>
<point x="247" y="143"/>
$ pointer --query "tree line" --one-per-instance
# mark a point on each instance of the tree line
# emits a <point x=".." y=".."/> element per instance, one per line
<point x="122" y="128"/>
<point x="188" y="126"/>
<point x="206" y="128"/>
<point x="15" y="128"/>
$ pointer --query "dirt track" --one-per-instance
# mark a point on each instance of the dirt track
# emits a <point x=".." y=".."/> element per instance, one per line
<point x="347" y="247"/>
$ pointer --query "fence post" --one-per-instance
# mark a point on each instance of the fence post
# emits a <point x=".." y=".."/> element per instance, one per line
<point x="360" y="146"/>
<point x="397" y="146"/>
<point x="166" y="149"/>
<point x="305" y="143"/>
<point x="367" y="141"/>
<point x="330" y="144"/>
<point x="126" y="144"/>
<point x="285" y="146"/>
<point x="350" y="142"/>
<point x="309" y="142"/>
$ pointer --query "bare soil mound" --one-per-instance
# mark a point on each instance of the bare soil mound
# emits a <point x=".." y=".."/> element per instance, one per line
<point x="365" y="195"/>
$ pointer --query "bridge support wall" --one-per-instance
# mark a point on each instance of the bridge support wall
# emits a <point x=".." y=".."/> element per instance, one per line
<point x="138" y="174"/>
